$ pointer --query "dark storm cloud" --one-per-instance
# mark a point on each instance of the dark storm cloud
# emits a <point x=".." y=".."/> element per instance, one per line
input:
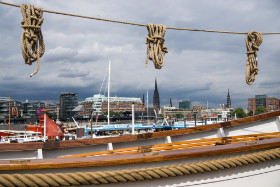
<point x="72" y="73"/>
<point x="199" y="66"/>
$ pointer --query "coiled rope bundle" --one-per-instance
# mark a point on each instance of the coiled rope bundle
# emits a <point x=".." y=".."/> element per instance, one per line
<point x="253" y="41"/>
<point x="32" y="42"/>
<point x="155" y="48"/>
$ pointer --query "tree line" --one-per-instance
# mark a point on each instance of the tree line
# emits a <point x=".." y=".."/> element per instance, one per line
<point x="241" y="114"/>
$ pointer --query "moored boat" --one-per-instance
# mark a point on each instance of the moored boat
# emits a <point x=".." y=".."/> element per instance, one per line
<point x="14" y="136"/>
<point x="265" y="123"/>
<point x="238" y="160"/>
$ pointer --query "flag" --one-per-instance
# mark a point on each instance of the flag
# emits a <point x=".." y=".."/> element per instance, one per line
<point x="96" y="117"/>
<point x="38" y="111"/>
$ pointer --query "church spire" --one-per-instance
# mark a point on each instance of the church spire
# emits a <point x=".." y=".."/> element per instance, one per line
<point x="228" y="100"/>
<point x="155" y="83"/>
<point x="156" y="103"/>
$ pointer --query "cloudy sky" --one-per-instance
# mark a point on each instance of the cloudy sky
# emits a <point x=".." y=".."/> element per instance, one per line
<point x="199" y="66"/>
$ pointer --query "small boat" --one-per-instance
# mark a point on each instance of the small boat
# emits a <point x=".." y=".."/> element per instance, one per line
<point x="14" y="136"/>
<point x="265" y="123"/>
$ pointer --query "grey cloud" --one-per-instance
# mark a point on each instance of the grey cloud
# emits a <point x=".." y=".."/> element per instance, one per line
<point x="199" y="66"/>
<point x="72" y="73"/>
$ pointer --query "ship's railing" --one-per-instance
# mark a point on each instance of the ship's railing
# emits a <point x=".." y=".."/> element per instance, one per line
<point x="191" y="144"/>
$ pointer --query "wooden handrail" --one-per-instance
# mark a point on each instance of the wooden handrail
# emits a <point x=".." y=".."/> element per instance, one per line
<point x="182" y="145"/>
<point x="137" y="158"/>
<point x="126" y="138"/>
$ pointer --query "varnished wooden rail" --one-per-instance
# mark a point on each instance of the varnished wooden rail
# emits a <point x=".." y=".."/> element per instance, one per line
<point x="190" y="144"/>
<point x="126" y="138"/>
<point x="111" y="160"/>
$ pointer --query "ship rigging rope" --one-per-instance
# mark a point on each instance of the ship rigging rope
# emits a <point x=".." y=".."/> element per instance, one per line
<point x="253" y="41"/>
<point x="133" y="175"/>
<point x="32" y="42"/>
<point x="155" y="48"/>
<point x="137" y="24"/>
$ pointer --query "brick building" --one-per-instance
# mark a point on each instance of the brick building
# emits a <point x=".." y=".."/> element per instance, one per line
<point x="270" y="103"/>
<point x="122" y="106"/>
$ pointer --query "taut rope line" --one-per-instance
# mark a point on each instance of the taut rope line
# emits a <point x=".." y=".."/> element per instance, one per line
<point x="134" y="175"/>
<point x="137" y="24"/>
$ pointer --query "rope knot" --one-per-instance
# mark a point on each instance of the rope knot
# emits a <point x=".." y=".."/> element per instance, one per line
<point x="155" y="45"/>
<point x="32" y="43"/>
<point x="253" y="41"/>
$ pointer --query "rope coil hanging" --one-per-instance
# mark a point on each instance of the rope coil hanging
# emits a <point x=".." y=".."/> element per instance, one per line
<point x="155" y="48"/>
<point x="253" y="41"/>
<point x="32" y="42"/>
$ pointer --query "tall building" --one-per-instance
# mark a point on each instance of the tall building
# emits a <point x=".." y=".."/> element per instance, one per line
<point x="270" y="103"/>
<point x="228" y="100"/>
<point x="67" y="102"/>
<point x="170" y="105"/>
<point x="15" y="107"/>
<point x="156" y="103"/>
<point x="185" y="104"/>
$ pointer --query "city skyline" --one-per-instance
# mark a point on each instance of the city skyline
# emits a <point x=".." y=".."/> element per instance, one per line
<point x="151" y="103"/>
<point x="199" y="66"/>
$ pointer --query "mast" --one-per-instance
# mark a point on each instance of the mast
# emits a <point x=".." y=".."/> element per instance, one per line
<point x="133" y="118"/>
<point x="45" y="126"/>
<point x="109" y="92"/>
<point x="10" y="112"/>
<point x="147" y="105"/>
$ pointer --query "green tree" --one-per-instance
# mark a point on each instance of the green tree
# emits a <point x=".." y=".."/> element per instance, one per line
<point x="112" y="114"/>
<point x="160" y="115"/>
<point x="178" y="116"/>
<point x="52" y="116"/>
<point x="239" y="113"/>
<point x="260" y="110"/>
<point x="250" y="113"/>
